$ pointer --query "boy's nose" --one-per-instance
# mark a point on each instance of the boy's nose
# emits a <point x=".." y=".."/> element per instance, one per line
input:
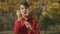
<point x="24" y="12"/>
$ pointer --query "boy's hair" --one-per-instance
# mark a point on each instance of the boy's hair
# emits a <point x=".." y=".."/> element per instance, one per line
<point x="25" y="4"/>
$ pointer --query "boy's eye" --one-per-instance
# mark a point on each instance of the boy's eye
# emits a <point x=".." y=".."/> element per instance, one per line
<point x="22" y="8"/>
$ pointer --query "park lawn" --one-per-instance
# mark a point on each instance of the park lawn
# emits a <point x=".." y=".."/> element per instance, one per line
<point x="10" y="32"/>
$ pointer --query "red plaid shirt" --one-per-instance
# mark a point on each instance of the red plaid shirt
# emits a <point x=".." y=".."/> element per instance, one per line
<point x="20" y="28"/>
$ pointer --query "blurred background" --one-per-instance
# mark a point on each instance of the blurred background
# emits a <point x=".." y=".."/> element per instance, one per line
<point x="47" y="13"/>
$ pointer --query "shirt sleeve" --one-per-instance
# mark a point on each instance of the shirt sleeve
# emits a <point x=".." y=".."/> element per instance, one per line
<point x="16" y="27"/>
<point x="36" y="29"/>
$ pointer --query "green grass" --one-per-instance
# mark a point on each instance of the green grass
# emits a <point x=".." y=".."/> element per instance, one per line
<point x="6" y="32"/>
<point x="10" y="32"/>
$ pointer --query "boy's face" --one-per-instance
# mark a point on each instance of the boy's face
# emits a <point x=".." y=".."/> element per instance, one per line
<point x="24" y="12"/>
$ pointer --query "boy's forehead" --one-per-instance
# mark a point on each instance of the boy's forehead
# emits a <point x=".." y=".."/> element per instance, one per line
<point x="22" y="6"/>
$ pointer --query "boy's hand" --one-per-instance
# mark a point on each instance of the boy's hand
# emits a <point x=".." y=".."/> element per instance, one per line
<point x="18" y="14"/>
<point x="28" y="25"/>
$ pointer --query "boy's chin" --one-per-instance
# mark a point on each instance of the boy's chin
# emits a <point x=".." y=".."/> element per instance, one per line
<point x="26" y="16"/>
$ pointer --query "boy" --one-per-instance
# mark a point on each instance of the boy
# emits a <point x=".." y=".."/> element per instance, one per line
<point x="24" y="24"/>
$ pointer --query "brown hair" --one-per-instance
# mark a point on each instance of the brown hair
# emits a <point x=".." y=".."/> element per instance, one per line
<point x="25" y="4"/>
